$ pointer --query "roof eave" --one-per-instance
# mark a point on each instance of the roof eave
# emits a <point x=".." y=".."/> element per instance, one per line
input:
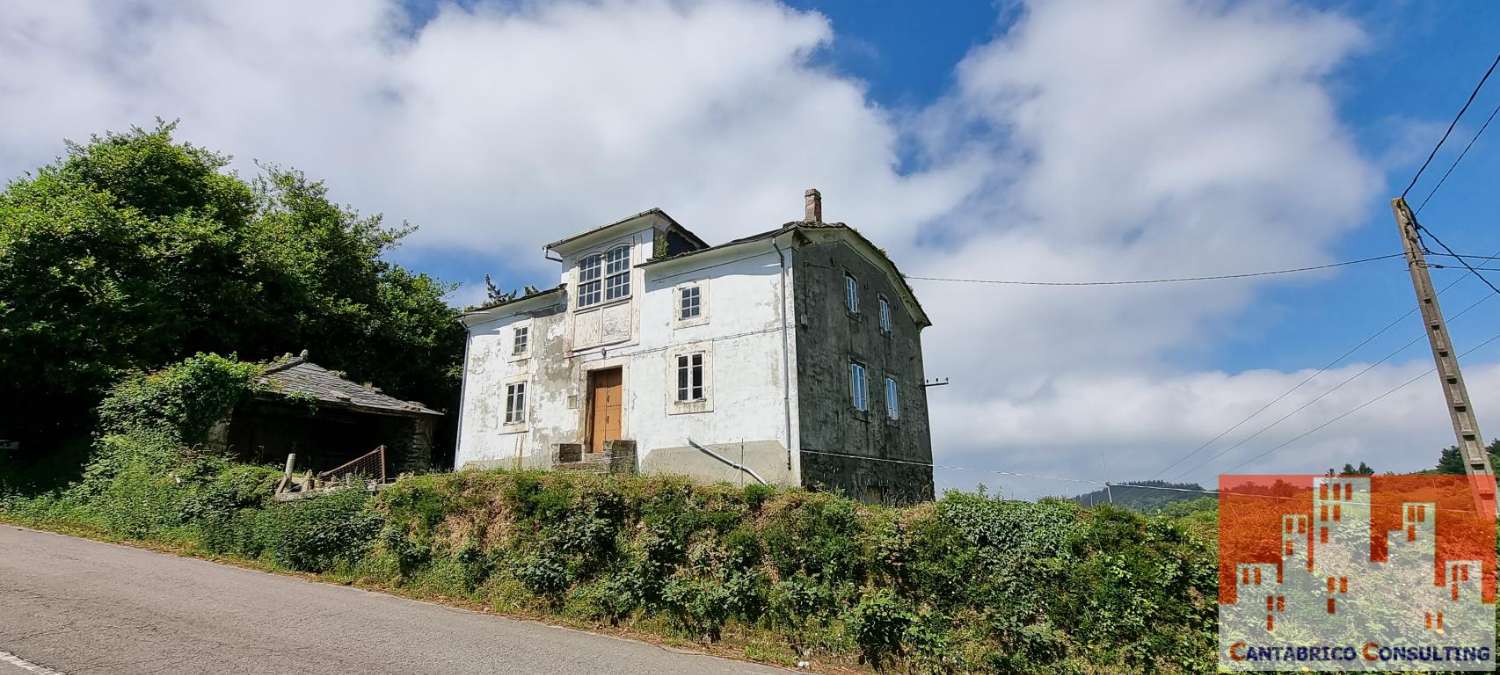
<point x="922" y="319"/>
<point x="280" y="397"/>
<point x="764" y="236"/>
<point x="484" y="313"/>
<point x="654" y="211"/>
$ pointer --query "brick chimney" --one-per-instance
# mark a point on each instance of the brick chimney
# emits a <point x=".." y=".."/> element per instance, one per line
<point x="814" y="203"/>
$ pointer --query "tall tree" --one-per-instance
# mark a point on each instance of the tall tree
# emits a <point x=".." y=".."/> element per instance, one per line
<point x="1451" y="462"/>
<point x="134" y="250"/>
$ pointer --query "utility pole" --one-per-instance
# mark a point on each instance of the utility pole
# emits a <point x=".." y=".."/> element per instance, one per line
<point x="1465" y="426"/>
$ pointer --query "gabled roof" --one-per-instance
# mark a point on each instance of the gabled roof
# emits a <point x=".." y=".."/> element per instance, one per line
<point x="671" y="222"/>
<point x="810" y="226"/>
<point x="298" y="377"/>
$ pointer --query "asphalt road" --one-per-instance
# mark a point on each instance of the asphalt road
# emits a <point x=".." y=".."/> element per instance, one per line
<point x="76" y="606"/>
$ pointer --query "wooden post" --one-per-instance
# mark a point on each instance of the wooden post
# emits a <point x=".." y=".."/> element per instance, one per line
<point x="1460" y="410"/>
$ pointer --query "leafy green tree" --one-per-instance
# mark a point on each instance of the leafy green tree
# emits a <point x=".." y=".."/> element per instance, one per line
<point x="1351" y="470"/>
<point x="134" y="250"/>
<point x="1451" y="462"/>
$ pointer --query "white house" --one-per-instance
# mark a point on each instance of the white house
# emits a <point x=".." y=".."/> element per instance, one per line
<point x="789" y="357"/>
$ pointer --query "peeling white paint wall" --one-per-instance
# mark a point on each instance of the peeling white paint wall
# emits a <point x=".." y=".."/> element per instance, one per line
<point x="744" y="416"/>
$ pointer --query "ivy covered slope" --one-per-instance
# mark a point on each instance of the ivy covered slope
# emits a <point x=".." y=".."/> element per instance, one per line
<point x="968" y="583"/>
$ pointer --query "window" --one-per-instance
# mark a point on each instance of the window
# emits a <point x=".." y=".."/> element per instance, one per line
<point x="857" y="393"/>
<point x="689" y="371"/>
<point x="604" y="276"/>
<point x="892" y="402"/>
<point x="515" y="403"/>
<point x="588" y="280"/>
<point x="617" y="273"/>
<point x="851" y="293"/>
<point x="885" y="315"/>
<point x="521" y="340"/>
<point x="690" y="377"/>
<point x="690" y="303"/>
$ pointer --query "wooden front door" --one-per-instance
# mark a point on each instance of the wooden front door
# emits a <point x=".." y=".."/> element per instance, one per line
<point x="605" y="394"/>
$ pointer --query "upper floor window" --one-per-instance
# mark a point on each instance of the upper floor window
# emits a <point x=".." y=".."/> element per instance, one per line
<point x="885" y="315"/>
<point x="617" y="273"/>
<point x="520" y="340"/>
<point x="851" y="293"/>
<point x="588" y="280"/>
<point x="858" y="395"/>
<point x="690" y="377"/>
<point x="690" y="303"/>
<point x="892" y="400"/>
<point x="515" y="403"/>
<point x="604" y="276"/>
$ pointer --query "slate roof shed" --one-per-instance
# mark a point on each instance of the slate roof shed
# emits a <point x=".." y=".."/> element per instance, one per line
<point x="326" y="420"/>
<point x="298" y="377"/>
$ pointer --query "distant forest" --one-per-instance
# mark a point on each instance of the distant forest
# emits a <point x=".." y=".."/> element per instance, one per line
<point x="1151" y="495"/>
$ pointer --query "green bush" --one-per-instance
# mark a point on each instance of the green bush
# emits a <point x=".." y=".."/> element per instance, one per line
<point x="319" y="533"/>
<point x="965" y="584"/>
<point x="879" y="624"/>
<point x="227" y="490"/>
<point x="182" y="401"/>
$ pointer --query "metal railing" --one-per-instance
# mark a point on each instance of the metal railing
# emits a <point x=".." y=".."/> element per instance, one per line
<point x="371" y="465"/>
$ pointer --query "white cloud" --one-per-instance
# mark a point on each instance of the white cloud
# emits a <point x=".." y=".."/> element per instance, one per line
<point x="1101" y="427"/>
<point x="493" y="129"/>
<point x="1088" y="141"/>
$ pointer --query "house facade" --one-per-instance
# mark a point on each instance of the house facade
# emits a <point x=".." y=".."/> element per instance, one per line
<point x="789" y="357"/>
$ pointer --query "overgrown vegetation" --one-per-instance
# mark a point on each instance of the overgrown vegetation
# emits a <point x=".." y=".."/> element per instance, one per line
<point x="969" y="583"/>
<point x="134" y="251"/>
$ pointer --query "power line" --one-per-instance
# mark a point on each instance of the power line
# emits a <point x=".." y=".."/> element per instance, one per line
<point x="1452" y="124"/>
<point x="1311" y="377"/>
<point x="1287" y="393"/>
<point x="1332" y="389"/>
<point x="1457" y="256"/>
<point x="1298" y="409"/>
<point x="1470" y="257"/>
<point x="1458" y="159"/>
<point x="1361" y="406"/>
<point x="1167" y="280"/>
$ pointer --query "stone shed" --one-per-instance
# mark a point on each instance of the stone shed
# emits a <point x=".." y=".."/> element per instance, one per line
<point x="327" y="420"/>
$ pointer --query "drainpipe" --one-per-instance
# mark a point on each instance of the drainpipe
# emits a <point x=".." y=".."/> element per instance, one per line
<point x="786" y="375"/>
<point x="463" y="388"/>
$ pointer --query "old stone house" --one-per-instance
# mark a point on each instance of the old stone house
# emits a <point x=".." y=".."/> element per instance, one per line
<point x="790" y="357"/>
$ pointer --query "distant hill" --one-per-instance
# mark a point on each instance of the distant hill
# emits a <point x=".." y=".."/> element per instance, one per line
<point x="1145" y="495"/>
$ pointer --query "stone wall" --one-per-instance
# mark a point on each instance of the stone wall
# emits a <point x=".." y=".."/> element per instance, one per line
<point x="618" y="458"/>
<point x="860" y="453"/>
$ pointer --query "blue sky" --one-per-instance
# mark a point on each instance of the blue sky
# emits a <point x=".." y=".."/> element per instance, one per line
<point x="1062" y="141"/>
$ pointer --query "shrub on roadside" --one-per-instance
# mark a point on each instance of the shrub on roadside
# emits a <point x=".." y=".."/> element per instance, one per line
<point x="317" y="534"/>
